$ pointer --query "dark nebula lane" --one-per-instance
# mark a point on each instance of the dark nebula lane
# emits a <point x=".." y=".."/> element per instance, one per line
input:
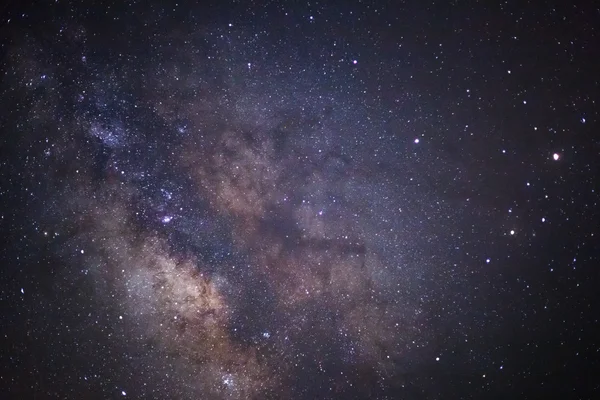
<point x="277" y="200"/>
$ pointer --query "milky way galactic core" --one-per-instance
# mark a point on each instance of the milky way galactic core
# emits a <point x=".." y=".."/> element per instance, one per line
<point x="289" y="201"/>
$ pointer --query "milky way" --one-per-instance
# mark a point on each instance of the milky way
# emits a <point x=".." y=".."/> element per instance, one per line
<point x="277" y="206"/>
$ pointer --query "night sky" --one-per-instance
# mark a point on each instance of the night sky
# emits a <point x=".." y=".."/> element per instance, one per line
<point x="299" y="200"/>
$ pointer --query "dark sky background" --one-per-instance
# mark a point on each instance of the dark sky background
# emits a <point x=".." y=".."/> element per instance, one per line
<point x="299" y="200"/>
